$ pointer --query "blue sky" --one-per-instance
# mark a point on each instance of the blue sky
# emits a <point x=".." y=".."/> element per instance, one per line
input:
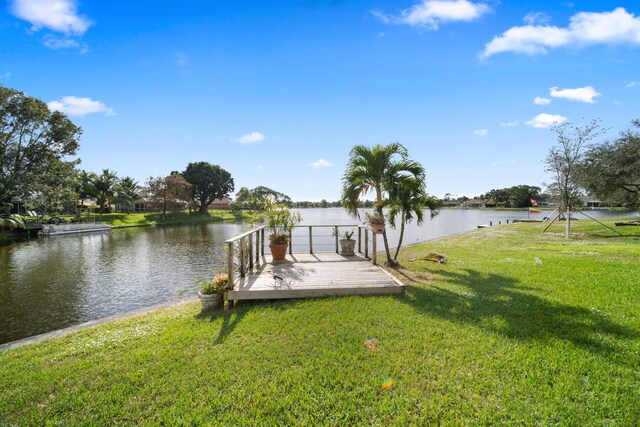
<point x="277" y="93"/>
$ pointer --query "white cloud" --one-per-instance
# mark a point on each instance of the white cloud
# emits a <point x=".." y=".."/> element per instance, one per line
<point x="480" y="132"/>
<point x="57" y="15"/>
<point x="585" y="28"/>
<point x="5" y="75"/>
<point x="536" y="18"/>
<point x="182" y="60"/>
<point x="75" y="106"/>
<point x="633" y="83"/>
<point x="541" y="101"/>
<point x="251" y="138"/>
<point x="545" y="120"/>
<point x="583" y="94"/>
<point x="66" y="43"/>
<point x="509" y="124"/>
<point x="321" y="163"/>
<point x="431" y="13"/>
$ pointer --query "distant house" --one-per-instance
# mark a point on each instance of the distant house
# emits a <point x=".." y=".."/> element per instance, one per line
<point x="449" y="203"/>
<point x="475" y="203"/>
<point x="224" y="203"/>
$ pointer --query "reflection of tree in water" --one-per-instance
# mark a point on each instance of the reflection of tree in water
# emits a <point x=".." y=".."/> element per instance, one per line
<point x="497" y="303"/>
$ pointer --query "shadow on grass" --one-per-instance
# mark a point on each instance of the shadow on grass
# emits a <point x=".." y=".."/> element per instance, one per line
<point x="498" y="304"/>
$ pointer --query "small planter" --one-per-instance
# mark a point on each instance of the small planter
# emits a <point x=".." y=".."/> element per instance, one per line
<point x="278" y="252"/>
<point x="377" y="228"/>
<point x="211" y="301"/>
<point x="347" y="246"/>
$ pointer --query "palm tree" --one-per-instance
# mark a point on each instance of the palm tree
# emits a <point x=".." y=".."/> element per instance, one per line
<point x="382" y="169"/>
<point x="406" y="201"/>
<point x="127" y="191"/>
<point x="104" y="185"/>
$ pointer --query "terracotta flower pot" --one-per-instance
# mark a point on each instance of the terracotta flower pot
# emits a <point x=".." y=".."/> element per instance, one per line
<point x="278" y="252"/>
<point x="377" y="228"/>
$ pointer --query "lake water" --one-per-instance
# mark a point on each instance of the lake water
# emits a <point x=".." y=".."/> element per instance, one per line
<point x="51" y="283"/>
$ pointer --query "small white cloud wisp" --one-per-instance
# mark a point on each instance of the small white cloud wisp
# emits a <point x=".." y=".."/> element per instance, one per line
<point x="546" y="120"/>
<point x="541" y="101"/>
<point x="251" y="138"/>
<point x="321" y="163"/>
<point x="430" y="14"/>
<point x="481" y="132"/>
<point x="79" y="107"/>
<point x="583" y="94"/>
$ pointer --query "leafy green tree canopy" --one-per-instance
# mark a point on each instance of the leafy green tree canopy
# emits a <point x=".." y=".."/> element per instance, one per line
<point x="32" y="142"/>
<point x="611" y="170"/>
<point x="210" y="182"/>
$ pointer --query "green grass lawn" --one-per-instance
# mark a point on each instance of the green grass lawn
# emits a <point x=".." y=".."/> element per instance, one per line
<point x="492" y="337"/>
<point x="120" y="219"/>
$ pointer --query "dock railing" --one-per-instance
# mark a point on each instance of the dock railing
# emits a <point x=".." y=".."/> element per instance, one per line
<point x="246" y="251"/>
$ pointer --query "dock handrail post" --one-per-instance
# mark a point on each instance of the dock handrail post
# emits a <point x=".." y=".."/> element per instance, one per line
<point x="359" y="240"/>
<point x="375" y="250"/>
<point x="335" y="229"/>
<point x="262" y="241"/>
<point x="311" y="240"/>
<point x="251" y="251"/>
<point x="258" y="249"/>
<point x="230" y="272"/>
<point x="290" y="244"/>
<point x="241" y="256"/>
<point x="366" y="243"/>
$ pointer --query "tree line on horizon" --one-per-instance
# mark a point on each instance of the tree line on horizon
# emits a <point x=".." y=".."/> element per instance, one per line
<point x="38" y="167"/>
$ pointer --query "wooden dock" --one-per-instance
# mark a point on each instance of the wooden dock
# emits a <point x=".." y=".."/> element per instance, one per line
<point x="314" y="275"/>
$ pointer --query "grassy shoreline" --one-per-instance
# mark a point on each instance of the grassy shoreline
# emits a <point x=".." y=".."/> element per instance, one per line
<point x="491" y="337"/>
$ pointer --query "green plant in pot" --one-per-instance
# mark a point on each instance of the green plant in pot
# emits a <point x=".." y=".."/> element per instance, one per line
<point x="280" y="221"/>
<point x="212" y="291"/>
<point x="375" y="221"/>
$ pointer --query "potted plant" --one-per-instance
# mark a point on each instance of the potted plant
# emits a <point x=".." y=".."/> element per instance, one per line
<point x="347" y="244"/>
<point x="280" y="221"/>
<point x="375" y="221"/>
<point x="211" y="291"/>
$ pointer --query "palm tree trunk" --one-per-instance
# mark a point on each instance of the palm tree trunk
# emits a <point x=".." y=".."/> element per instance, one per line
<point x="395" y="258"/>
<point x="384" y="230"/>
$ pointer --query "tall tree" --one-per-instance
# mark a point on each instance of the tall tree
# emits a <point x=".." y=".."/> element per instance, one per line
<point x="169" y="193"/>
<point x="611" y="170"/>
<point x="32" y="142"/>
<point x="381" y="169"/>
<point x="54" y="191"/>
<point x="105" y="187"/>
<point x="563" y="162"/>
<point x="210" y="182"/>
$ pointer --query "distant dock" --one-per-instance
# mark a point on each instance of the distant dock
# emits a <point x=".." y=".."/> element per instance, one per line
<point x="65" y="229"/>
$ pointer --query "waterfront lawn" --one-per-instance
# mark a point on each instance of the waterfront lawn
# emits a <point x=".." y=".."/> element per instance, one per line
<point x="121" y="220"/>
<point x="492" y="337"/>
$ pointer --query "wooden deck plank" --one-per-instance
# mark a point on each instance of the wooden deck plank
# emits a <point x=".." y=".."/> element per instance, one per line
<point x="315" y="275"/>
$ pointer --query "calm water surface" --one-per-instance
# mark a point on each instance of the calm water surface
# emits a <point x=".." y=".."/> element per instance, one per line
<point x="51" y="283"/>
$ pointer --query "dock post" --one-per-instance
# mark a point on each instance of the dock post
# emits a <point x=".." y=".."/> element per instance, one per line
<point x="359" y="240"/>
<point x="230" y="273"/>
<point x="241" y="256"/>
<point x="290" y="244"/>
<point x="251" y="251"/>
<point x="366" y="243"/>
<point x="490" y="223"/>
<point x="375" y="250"/>
<point x="262" y="240"/>
<point x="311" y="240"/>
<point x="335" y="230"/>
<point x="257" y="249"/>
